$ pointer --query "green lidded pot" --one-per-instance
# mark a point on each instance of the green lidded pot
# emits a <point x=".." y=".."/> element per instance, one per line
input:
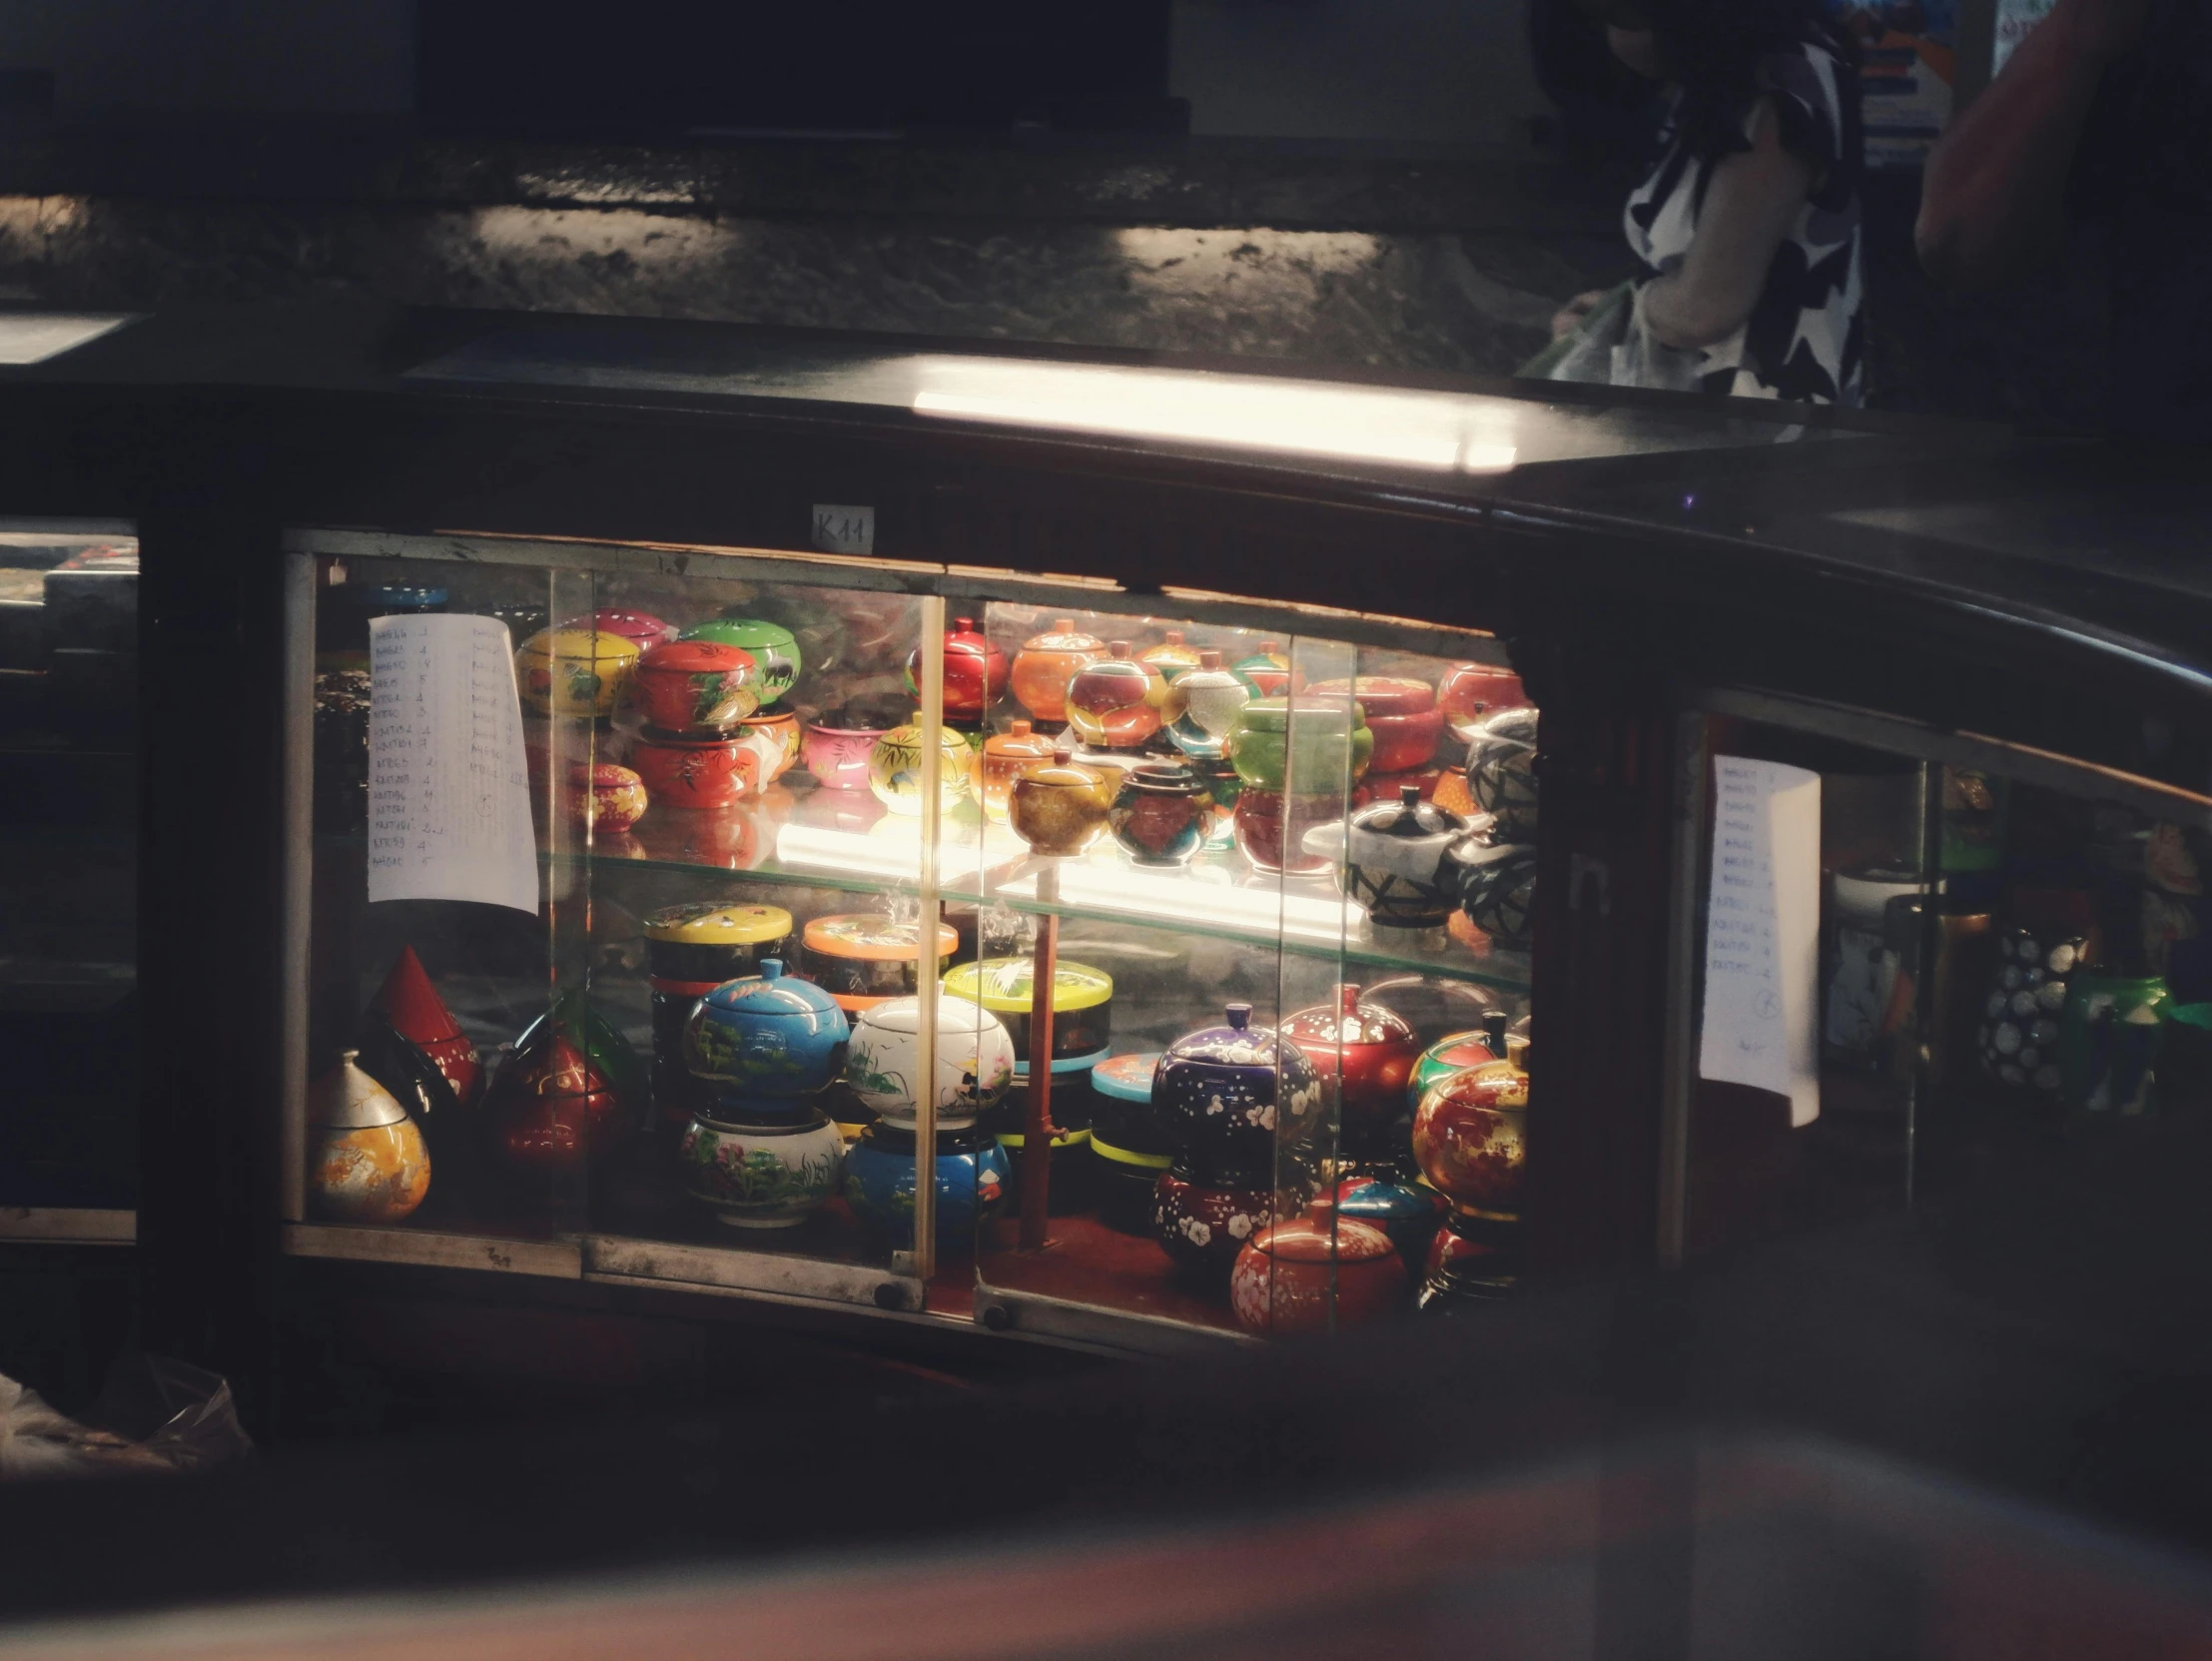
<point x="2109" y="1035"/>
<point x="773" y="650"/>
<point x="1330" y="746"/>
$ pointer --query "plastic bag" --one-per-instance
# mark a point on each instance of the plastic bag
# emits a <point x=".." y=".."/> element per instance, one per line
<point x="153" y="1414"/>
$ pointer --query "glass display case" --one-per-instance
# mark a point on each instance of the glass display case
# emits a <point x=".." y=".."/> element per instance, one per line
<point x="69" y="824"/>
<point x="1924" y="959"/>
<point x="661" y="915"/>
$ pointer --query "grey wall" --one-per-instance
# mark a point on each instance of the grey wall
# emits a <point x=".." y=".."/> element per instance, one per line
<point x="1426" y="71"/>
<point x="1430" y="71"/>
<point x="125" y="61"/>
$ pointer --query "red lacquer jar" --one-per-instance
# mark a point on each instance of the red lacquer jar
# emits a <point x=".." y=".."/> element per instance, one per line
<point x="701" y="687"/>
<point x="1288" y="1275"/>
<point x="681" y="771"/>
<point x="608" y="798"/>
<point x="1366" y="1047"/>
<point x="1472" y="690"/>
<point x="975" y="672"/>
<point x="1271" y="827"/>
<point x="1045" y="665"/>
<point x="1401" y="713"/>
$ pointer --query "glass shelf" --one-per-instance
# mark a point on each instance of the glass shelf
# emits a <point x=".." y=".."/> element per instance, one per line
<point x="847" y="841"/>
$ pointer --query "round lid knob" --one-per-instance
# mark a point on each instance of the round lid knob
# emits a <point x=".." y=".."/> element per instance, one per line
<point x="1017" y="730"/>
<point x="771" y="969"/>
<point x="1119" y="649"/>
<point x="1209" y="660"/>
<point x="1409" y="795"/>
<point x="1241" y="1015"/>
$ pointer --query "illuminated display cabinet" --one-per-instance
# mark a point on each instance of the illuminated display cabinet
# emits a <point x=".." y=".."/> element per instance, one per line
<point x="682" y="784"/>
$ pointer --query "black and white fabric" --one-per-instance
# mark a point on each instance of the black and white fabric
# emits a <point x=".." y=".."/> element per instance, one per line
<point x="1802" y="340"/>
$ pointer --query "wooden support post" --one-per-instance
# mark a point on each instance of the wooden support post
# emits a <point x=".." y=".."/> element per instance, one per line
<point x="1037" y="1134"/>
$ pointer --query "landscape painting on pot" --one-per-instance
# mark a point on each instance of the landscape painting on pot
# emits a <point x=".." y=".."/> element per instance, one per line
<point x="895" y="769"/>
<point x="695" y="685"/>
<point x="974" y="1068"/>
<point x="772" y="647"/>
<point x="574" y="671"/>
<point x="768" y="1037"/>
<point x="760" y="1176"/>
<point x="366" y="1160"/>
<point x="972" y="1175"/>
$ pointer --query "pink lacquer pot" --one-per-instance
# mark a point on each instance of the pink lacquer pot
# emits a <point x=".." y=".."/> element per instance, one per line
<point x="838" y="756"/>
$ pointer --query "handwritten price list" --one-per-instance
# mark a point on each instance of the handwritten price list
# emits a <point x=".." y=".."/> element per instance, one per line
<point x="1761" y="937"/>
<point x="448" y="791"/>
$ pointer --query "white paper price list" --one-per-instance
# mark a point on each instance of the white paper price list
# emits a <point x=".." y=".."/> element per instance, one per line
<point x="1761" y="933"/>
<point x="448" y="791"/>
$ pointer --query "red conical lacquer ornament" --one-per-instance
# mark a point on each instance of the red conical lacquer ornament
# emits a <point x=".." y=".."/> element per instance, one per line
<point x="412" y="1004"/>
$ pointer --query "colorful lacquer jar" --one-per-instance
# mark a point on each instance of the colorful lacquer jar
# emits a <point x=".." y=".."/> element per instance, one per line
<point x="2109" y="1034"/>
<point x="366" y="1160"/>
<point x="643" y="627"/>
<point x="975" y="672"/>
<point x="605" y="798"/>
<point x="570" y="1092"/>
<point x="1409" y="1212"/>
<point x="1004" y="754"/>
<point x="1161" y="815"/>
<point x="1469" y="691"/>
<point x="1173" y="658"/>
<point x="772" y="736"/>
<point x="760" y="1176"/>
<point x="1395" y="862"/>
<point x="860" y="959"/>
<point x="974" y="1064"/>
<point x="765" y="1045"/>
<point x="1228" y="1094"/>
<point x="775" y="653"/>
<point x="1082" y="1003"/>
<point x="1310" y="1275"/>
<point x="694" y="772"/>
<point x="1202" y="705"/>
<point x="1058" y="807"/>
<point x="1470" y="1135"/>
<point x="1400" y="712"/>
<point x="706" y="940"/>
<point x="695" y="686"/>
<point x="1266" y="671"/>
<point x="574" y="671"/>
<point x="1116" y="701"/>
<point x="1127" y="1145"/>
<point x="972" y="1176"/>
<point x="418" y="1014"/>
<point x="1045" y="665"/>
<point x="1271" y="830"/>
<point x="1454" y="1053"/>
<point x="1363" y="1051"/>
<point x="836" y="751"/>
<point x="895" y="769"/>
<point x="1304" y="746"/>
<point x="1203" y="1222"/>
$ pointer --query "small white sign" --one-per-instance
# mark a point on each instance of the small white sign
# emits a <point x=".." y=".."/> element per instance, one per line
<point x="1762" y="933"/>
<point x="842" y="529"/>
<point x="449" y="789"/>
